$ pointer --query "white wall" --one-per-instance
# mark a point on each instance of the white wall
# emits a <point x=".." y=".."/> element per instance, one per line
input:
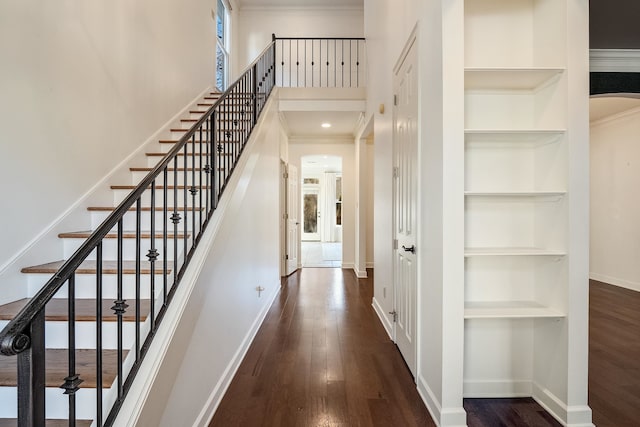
<point x="255" y="27"/>
<point x="346" y="150"/>
<point x="440" y="272"/>
<point x="83" y="85"/>
<point x="224" y="310"/>
<point x="615" y="206"/>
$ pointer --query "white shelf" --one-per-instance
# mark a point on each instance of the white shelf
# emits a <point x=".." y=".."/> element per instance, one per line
<point x="508" y="78"/>
<point x="516" y="136"/>
<point x="475" y="252"/>
<point x="509" y="310"/>
<point x="531" y="194"/>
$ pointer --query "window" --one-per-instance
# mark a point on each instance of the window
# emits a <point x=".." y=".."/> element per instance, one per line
<point x="222" y="53"/>
<point x="338" y="200"/>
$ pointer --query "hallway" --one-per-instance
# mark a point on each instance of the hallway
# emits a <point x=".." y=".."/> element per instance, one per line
<point x="322" y="358"/>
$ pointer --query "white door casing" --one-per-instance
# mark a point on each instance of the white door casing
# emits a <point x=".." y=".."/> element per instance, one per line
<point x="293" y="222"/>
<point x="405" y="201"/>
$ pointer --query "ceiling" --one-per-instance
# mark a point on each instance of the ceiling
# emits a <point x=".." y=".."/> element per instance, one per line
<point x="602" y="107"/>
<point x="309" y="123"/>
<point x="324" y="4"/>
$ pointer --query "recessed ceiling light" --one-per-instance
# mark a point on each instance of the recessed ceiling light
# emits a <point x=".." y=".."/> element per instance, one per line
<point x="326" y="125"/>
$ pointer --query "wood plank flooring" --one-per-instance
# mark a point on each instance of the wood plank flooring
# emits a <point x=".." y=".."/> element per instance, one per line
<point x="614" y="355"/>
<point x="322" y="358"/>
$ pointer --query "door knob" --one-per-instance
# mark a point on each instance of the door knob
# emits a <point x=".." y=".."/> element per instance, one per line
<point x="411" y="249"/>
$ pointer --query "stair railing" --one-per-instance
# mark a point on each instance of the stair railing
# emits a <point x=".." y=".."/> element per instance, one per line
<point x="320" y="62"/>
<point x="181" y="192"/>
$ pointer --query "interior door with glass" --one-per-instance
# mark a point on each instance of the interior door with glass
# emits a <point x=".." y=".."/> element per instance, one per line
<point x="311" y="212"/>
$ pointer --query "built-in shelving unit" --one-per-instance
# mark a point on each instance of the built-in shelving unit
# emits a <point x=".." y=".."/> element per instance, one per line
<point x="517" y="199"/>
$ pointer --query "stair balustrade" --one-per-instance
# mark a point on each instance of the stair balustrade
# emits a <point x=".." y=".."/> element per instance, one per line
<point x="133" y="262"/>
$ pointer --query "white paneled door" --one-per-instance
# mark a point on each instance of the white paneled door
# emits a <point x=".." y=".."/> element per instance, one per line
<point x="405" y="137"/>
<point x="293" y="220"/>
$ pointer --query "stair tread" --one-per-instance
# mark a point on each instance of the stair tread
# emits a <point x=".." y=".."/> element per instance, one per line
<point x="144" y="209"/>
<point x="175" y="141"/>
<point x="56" y="310"/>
<point x="89" y="267"/>
<point x="158" y="187"/>
<point x="12" y="422"/>
<point x="182" y="154"/>
<point x="57" y="368"/>
<point x="126" y="234"/>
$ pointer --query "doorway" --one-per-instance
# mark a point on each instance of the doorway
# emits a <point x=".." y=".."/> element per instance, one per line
<point x="321" y="211"/>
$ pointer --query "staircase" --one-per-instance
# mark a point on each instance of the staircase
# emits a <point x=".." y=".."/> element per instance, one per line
<point x="81" y="339"/>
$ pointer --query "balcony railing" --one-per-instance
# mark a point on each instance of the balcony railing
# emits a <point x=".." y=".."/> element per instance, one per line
<point x="320" y="62"/>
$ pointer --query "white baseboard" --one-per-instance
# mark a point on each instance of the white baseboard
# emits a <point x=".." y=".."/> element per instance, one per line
<point x="448" y="417"/>
<point x="483" y="389"/>
<point x="634" y="286"/>
<point x="207" y="413"/>
<point x="369" y="265"/>
<point x="386" y="324"/>
<point x="348" y="265"/>
<point x="360" y="274"/>
<point x="573" y="416"/>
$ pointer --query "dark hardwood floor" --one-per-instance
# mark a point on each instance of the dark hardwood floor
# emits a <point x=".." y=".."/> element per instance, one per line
<point x="322" y="358"/>
<point x="614" y="355"/>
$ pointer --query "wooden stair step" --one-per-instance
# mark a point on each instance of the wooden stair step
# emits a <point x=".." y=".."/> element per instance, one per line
<point x="7" y="422"/>
<point x="57" y="311"/>
<point x="57" y="368"/>
<point x="181" y="154"/>
<point x="144" y="209"/>
<point x="113" y="235"/>
<point x="89" y="267"/>
<point x="175" y="141"/>
<point x="158" y="187"/>
<point x="169" y="169"/>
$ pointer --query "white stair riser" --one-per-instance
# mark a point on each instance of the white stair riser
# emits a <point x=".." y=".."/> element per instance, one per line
<point x="152" y="161"/>
<point x="137" y="177"/>
<point x="110" y="247"/>
<point x="86" y="284"/>
<point x="129" y="219"/>
<point x="57" y="334"/>
<point x="120" y="195"/>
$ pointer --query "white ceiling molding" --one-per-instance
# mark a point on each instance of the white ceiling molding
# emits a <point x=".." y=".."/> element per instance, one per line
<point x="301" y="8"/>
<point x="614" y="60"/>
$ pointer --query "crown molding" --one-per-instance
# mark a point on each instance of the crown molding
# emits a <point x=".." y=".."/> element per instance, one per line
<point x="615" y="117"/>
<point x="310" y="8"/>
<point x="614" y="60"/>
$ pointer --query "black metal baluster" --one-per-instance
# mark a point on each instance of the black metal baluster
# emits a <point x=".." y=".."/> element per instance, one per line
<point x="138" y="276"/>
<point x="290" y="60"/>
<point x="175" y="218"/>
<point x="357" y="63"/>
<point x="201" y="187"/>
<point x="99" y="334"/>
<point x="72" y="381"/>
<point x="335" y="63"/>
<point x="327" y="63"/>
<point x="165" y="231"/>
<point x="120" y="305"/>
<point x="152" y="255"/>
<point x="342" y="43"/>
<point x="31" y="375"/>
<point x="185" y="202"/>
<point x="215" y="173"/>
<point x="193" y="190"/>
